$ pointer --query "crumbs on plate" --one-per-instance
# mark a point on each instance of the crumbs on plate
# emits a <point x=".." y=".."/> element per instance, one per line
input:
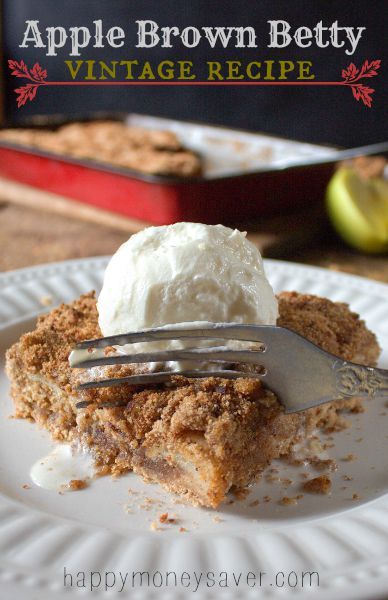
<point x="290" y="500"/>
<point x="318" y="485"/>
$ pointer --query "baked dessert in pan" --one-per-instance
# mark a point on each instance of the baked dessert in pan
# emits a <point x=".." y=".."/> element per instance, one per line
<point x="148" y="151"/>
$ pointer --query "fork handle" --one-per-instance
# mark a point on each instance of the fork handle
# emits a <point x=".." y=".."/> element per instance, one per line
<point x="358" y="380"/>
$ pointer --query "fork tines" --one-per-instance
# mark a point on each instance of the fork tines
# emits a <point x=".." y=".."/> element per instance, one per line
<point x="164" y="376"/>
<point x="216" y="355"/>
<point x="222" y="331"/>
<point x="91" y="353"/>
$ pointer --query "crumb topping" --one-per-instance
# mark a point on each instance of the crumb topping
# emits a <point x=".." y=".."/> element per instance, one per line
<point x="318" y="485"/>
<point x="76" y="484"/>
<point x="330" y="325"/>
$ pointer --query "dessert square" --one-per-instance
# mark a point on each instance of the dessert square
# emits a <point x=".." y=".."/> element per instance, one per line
<point x="198" y="438"/>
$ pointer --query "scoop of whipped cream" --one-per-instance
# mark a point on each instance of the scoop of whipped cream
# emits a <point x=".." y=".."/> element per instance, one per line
<point x="184" y="273"/>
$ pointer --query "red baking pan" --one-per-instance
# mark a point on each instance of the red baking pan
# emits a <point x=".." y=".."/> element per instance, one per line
<point x="245" y="176"/>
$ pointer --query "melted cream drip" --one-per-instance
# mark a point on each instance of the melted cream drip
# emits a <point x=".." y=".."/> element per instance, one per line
<point x="58" y="468"/>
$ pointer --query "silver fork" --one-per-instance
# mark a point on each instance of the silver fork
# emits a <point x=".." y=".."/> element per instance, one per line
<point x="301" y="374"/>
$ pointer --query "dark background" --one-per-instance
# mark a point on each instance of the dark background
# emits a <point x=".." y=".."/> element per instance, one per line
<point x="316" y="114"/>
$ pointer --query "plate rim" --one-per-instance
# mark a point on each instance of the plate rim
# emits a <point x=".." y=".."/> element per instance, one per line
<point x="19" y="276"/>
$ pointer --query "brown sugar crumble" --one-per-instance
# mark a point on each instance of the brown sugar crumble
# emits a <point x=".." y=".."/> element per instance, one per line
<point x="46" y="300"/>
<point x="217" y="519"/>
<point x="318" y="485"/>
<point x="285" y="481"/>
<point x="349" y="457"/>
<point x="164" y="518"/>
<point x="320" y="464"/>
<point x="290" y="500"/>
<point x="327" y="445"/>
<point x="240" y="493"/>
<point x="340" y="424"/>
<point x="76" y="484"/>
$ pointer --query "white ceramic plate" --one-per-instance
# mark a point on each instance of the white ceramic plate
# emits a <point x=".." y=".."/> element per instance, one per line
<point x="41" y="532"/>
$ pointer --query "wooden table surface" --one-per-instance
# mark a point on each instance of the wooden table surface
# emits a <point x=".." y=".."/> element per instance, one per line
<point x="29" y="237"/>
